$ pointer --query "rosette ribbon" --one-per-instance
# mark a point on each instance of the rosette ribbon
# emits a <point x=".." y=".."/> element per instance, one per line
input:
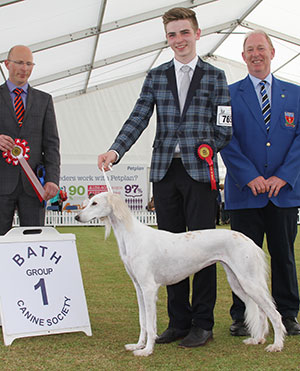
<point x="19" y="154"/>
<point x="205" y="152"/>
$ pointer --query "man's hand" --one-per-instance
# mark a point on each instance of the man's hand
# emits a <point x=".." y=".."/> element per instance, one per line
<point x="6" y="143"/>
<point x="258" y="185"/>
<point x="105" y="160"/>
<point x="51" y="190"/>
<point x="275" y="184"/>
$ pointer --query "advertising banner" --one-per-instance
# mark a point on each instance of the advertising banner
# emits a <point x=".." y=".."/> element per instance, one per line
<point x="129" y="181"/>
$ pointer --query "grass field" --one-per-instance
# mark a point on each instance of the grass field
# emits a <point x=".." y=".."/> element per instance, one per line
<point x="114" y="319"/>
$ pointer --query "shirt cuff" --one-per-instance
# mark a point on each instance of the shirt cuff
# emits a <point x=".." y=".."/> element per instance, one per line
<point x="118" y="156"/>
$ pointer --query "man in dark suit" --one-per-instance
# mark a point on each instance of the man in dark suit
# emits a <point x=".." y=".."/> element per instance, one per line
<point x="262" y="187"/>
<point x="38" y="128"/>
<point x="184" y="199"/>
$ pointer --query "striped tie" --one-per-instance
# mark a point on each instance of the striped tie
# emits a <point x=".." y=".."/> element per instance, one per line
<point x="266" y="106"/>
<point x="19" y="106"/>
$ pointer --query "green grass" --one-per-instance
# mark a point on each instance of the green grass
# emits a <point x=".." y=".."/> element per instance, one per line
<point x="114" y="319"/>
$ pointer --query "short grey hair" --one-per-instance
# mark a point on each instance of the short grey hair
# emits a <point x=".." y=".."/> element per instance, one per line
<point x="260" y="32"/>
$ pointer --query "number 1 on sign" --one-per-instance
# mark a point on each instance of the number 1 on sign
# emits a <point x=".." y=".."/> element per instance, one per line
<point x="41" y="284"/>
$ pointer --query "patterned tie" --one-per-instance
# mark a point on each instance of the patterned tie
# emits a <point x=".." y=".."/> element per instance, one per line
<point x="266" y="107"/>
<point x="184" y="86"/>
<point x="19" y="106"/>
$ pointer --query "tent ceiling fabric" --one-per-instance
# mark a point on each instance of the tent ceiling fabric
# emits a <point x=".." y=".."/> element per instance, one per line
<point x="83" y="45"/>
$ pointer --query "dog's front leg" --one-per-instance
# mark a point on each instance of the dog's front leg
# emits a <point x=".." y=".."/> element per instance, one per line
<point x="150" y="296"/>
<point x="142" y="319"/>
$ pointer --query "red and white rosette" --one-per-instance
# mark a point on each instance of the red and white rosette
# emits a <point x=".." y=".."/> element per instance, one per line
<point x="205" y="152"/>
<point x="19" y="154"/>
<point x="21" y="147"/>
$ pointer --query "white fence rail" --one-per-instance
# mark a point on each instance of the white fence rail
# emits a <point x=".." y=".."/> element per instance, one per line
<point x="67" y="218"/>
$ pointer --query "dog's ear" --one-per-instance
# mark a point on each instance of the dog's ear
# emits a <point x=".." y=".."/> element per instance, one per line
<point x="118" y="206"/>
<point x="107" y="226"/>
<point x="120" y="209"/>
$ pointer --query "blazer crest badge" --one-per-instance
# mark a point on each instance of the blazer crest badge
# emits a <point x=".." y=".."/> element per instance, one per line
<point x="289" y="119"/>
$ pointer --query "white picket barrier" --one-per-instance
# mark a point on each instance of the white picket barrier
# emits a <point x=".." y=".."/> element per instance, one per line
<point x="67" y="218"/>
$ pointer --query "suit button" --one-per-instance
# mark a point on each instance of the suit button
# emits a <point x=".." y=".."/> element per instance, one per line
<point x="268" y="144"/>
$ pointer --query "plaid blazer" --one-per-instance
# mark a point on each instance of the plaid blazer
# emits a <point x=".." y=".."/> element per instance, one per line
<point x="196" y="125"/>
<point x="39" y="130"/>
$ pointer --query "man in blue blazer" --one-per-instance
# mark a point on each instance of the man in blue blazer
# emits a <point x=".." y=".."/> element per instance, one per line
<point x="38" y="128"/>
<point x="262" y="186"/>
<point x="182" y="190"/>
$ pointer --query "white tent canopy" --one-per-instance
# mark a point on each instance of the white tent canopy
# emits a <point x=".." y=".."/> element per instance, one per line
<point x="93" y="55"/>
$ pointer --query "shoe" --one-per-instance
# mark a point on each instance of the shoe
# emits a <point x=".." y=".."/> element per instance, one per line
<point x="171" y="334"/>
<point x="292" y="326"/>
<point x="239" y="328"/>
<point x="196" y="337"/>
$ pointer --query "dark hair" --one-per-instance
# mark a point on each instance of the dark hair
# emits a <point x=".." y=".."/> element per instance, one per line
<point x="176" y="14"/>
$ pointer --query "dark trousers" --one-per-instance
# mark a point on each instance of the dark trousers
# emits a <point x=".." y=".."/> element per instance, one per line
<point x="30" y="209"/>
<point x="280" y="227"/>
<point x="183" y="204"/>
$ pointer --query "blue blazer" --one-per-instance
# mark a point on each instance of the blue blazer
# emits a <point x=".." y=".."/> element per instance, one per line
<point x="197" y="124"/>
<point x="255" y="152"/>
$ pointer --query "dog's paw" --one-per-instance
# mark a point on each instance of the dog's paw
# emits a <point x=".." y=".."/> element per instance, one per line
<point x="274" y="348"/>
<point x="253" y="341"/>
<point x="142" y="352"/>
<point x="133" y="347"/>
<point x="250" y="341"/>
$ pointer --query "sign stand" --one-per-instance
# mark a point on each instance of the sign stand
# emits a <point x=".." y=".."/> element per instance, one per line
<point x="41" y="289"/>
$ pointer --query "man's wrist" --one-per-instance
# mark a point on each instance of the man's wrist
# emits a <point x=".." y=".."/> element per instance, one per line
<point x="118" y="156"/>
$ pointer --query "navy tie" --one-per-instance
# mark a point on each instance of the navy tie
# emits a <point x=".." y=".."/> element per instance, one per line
<point x="266" y="106"/>
<point x="19" y="106"/>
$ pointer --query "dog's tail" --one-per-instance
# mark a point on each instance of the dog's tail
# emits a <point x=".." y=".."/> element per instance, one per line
<point x="256" y="320"/>
<point x="249" y="288"/>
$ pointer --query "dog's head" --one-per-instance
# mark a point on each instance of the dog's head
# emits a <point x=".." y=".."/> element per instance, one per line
<point x="104" y="205"/>
<point x="98" y="207"/>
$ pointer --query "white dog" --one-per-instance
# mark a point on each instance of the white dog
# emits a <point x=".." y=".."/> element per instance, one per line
<point x="154" y="257"/>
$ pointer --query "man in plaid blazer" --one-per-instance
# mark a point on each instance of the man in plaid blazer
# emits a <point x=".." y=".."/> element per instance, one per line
<point x="182" y="190"/>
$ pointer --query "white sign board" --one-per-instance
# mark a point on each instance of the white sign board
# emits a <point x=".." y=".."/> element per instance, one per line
<point x="129" y="181"/>
<point x="41" y="289"/>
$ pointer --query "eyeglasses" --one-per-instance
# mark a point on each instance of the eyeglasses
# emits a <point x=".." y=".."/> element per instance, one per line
<point x="21" y="63"/>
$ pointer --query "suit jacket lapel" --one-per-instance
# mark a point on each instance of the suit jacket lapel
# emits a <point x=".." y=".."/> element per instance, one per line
<point x="197" y="76"/>
<point x="8" y="101"/>
<point x="249" y="96"/>
<point x="28" y="102"/>
<point x="172" y="83"/>
<point x="277" y="102"/>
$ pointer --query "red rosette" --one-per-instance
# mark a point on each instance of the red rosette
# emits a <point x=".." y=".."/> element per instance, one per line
<point x="21" y="148"/>
<point x="205" y="152"/>
<point x="19" y="155"/>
